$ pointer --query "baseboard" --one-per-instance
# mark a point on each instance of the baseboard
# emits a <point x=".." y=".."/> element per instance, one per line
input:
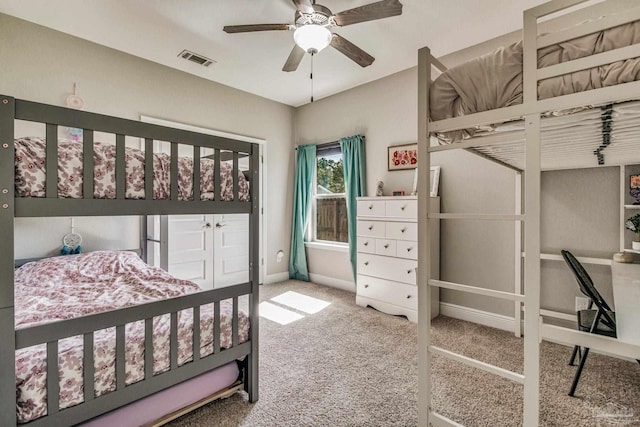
<point x="275" y="278"/>
<point x="480" y="317"/>
<point x="345" y="285"/>
<point x="499" y="321"/>
<point x="319" y="279"/>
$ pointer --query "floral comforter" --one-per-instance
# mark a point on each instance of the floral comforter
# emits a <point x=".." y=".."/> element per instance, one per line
<point x="30" y="162"/>
<point x="71" y="286"/>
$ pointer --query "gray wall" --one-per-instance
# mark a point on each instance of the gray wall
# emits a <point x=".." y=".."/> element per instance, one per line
<point x="580" y="208"/>
<point x="385" y="111"/>
<point x="380" y="110"/>
<point x="40" y="64"/>
<point x="581" y="213"/>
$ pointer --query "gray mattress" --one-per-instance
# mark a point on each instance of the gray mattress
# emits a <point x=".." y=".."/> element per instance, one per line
<point x="494" y="80"/>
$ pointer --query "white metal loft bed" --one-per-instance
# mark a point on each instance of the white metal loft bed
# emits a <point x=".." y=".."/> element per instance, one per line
<point x="528" y="149"/>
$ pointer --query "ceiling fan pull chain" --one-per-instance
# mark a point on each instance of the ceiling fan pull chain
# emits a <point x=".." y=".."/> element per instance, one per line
<point x="311" y="76"/>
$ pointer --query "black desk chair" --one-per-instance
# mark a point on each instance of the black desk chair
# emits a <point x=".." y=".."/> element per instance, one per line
<point x="601" y="321"/>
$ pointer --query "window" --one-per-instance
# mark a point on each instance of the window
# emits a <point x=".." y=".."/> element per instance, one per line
<point x="330" y="203"/>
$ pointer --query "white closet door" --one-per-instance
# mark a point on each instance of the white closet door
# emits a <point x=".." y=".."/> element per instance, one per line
<point x="191" y="248"/>
<point x="231" y="249"/>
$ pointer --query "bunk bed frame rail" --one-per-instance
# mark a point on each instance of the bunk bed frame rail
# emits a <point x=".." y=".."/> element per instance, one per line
<point x="11" y="207"/>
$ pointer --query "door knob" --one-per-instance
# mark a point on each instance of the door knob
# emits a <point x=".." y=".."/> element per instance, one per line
<point x="206" y="225"/>
<point x="218" y="225"/>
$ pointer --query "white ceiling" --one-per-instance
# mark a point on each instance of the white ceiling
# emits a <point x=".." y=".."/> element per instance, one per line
<point x="158" y="30"/>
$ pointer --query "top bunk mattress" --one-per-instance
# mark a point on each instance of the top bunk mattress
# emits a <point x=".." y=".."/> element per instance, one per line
<point x="71" y="286"/>
<point x="30" y="173"/>
<point x="494" y="80"/>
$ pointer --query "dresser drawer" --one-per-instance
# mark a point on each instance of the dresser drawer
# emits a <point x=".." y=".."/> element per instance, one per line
<point x="371" y="208"/>
<point x="401" y="230"/>
<point x="370" y="228"/>
<point x="385" y="247"/>
<point x="402" y="208"/>
<point x="396" y="269"/>
<point x="407" y="249"/>
<point x="367" y="245"/>
<point x="395" y="293"/>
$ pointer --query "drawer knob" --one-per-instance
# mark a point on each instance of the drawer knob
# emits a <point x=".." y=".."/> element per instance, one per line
<point x="409" y="271"/>
<point x="366" y="243"/>
<point x="409" y="249"/>
<point x="402" y="208"/>
<point x="403" y="230"/>
<point x="366" y="286"/>
<point x="370" y="207"/>
<point x="370" y="227"/>
<point x="386" y="246"/>
<point x="366" y="263"/>
<point x="408" y="296"/>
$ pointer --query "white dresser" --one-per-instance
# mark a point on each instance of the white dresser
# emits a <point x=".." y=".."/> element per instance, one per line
<point x="387" y="231"/>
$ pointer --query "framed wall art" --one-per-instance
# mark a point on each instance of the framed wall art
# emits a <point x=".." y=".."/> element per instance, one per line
<point x="400" y="157"/>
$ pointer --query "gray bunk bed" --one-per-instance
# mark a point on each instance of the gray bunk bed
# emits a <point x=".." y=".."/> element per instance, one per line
<point x="48" y="335"/>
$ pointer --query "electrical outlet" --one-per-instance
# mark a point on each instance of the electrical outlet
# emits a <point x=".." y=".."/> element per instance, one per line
<point x="582" y="303"/>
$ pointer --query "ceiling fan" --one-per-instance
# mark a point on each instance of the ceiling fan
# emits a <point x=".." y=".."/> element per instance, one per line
<point x="312" y="29"/>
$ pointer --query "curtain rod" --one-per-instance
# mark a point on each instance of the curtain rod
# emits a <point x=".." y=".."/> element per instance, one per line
<point x="321" y="144"/>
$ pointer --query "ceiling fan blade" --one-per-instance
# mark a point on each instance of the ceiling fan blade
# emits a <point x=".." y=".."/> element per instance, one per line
<point x="255" y="27"/>
<point x="352" y="51"/>
<point x="294" y="59"/>
<point x="369" y="12"/>
<point x="304" y="6"/>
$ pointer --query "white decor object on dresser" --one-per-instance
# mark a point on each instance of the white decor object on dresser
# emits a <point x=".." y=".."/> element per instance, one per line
<point x="387" y="230"/>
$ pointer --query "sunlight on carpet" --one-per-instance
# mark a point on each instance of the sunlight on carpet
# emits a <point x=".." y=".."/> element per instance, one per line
<point x="278" y="314"/>
<point x="300" y="302"/>
<point x="289" y="306"/>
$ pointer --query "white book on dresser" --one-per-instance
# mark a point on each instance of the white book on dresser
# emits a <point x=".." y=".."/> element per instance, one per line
<point x="387" y="230"/>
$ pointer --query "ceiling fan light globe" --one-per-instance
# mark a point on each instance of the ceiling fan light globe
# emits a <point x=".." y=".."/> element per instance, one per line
<point x="312" y="37"/>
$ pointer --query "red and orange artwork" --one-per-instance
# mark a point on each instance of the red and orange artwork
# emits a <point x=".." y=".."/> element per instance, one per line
<point x="403" y="157"/>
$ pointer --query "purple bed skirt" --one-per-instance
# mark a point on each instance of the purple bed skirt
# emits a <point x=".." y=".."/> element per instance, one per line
<point x="151" y="408"/>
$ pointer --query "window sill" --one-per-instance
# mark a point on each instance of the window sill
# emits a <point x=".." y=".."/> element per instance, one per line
<point x="337" y="247"/>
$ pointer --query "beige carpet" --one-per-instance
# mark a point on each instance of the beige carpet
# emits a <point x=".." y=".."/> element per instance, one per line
<point x="353" y="366"/>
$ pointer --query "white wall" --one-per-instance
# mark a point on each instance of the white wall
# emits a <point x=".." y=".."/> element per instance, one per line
<point x="40" y="64"/>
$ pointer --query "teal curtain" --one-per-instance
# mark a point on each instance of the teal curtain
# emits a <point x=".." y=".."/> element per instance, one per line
<point x="353" y="155"/>
<point x="302" y="195"/>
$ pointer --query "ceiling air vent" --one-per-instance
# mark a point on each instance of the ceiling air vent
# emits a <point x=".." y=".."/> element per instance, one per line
<point x="198" y="59"/>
